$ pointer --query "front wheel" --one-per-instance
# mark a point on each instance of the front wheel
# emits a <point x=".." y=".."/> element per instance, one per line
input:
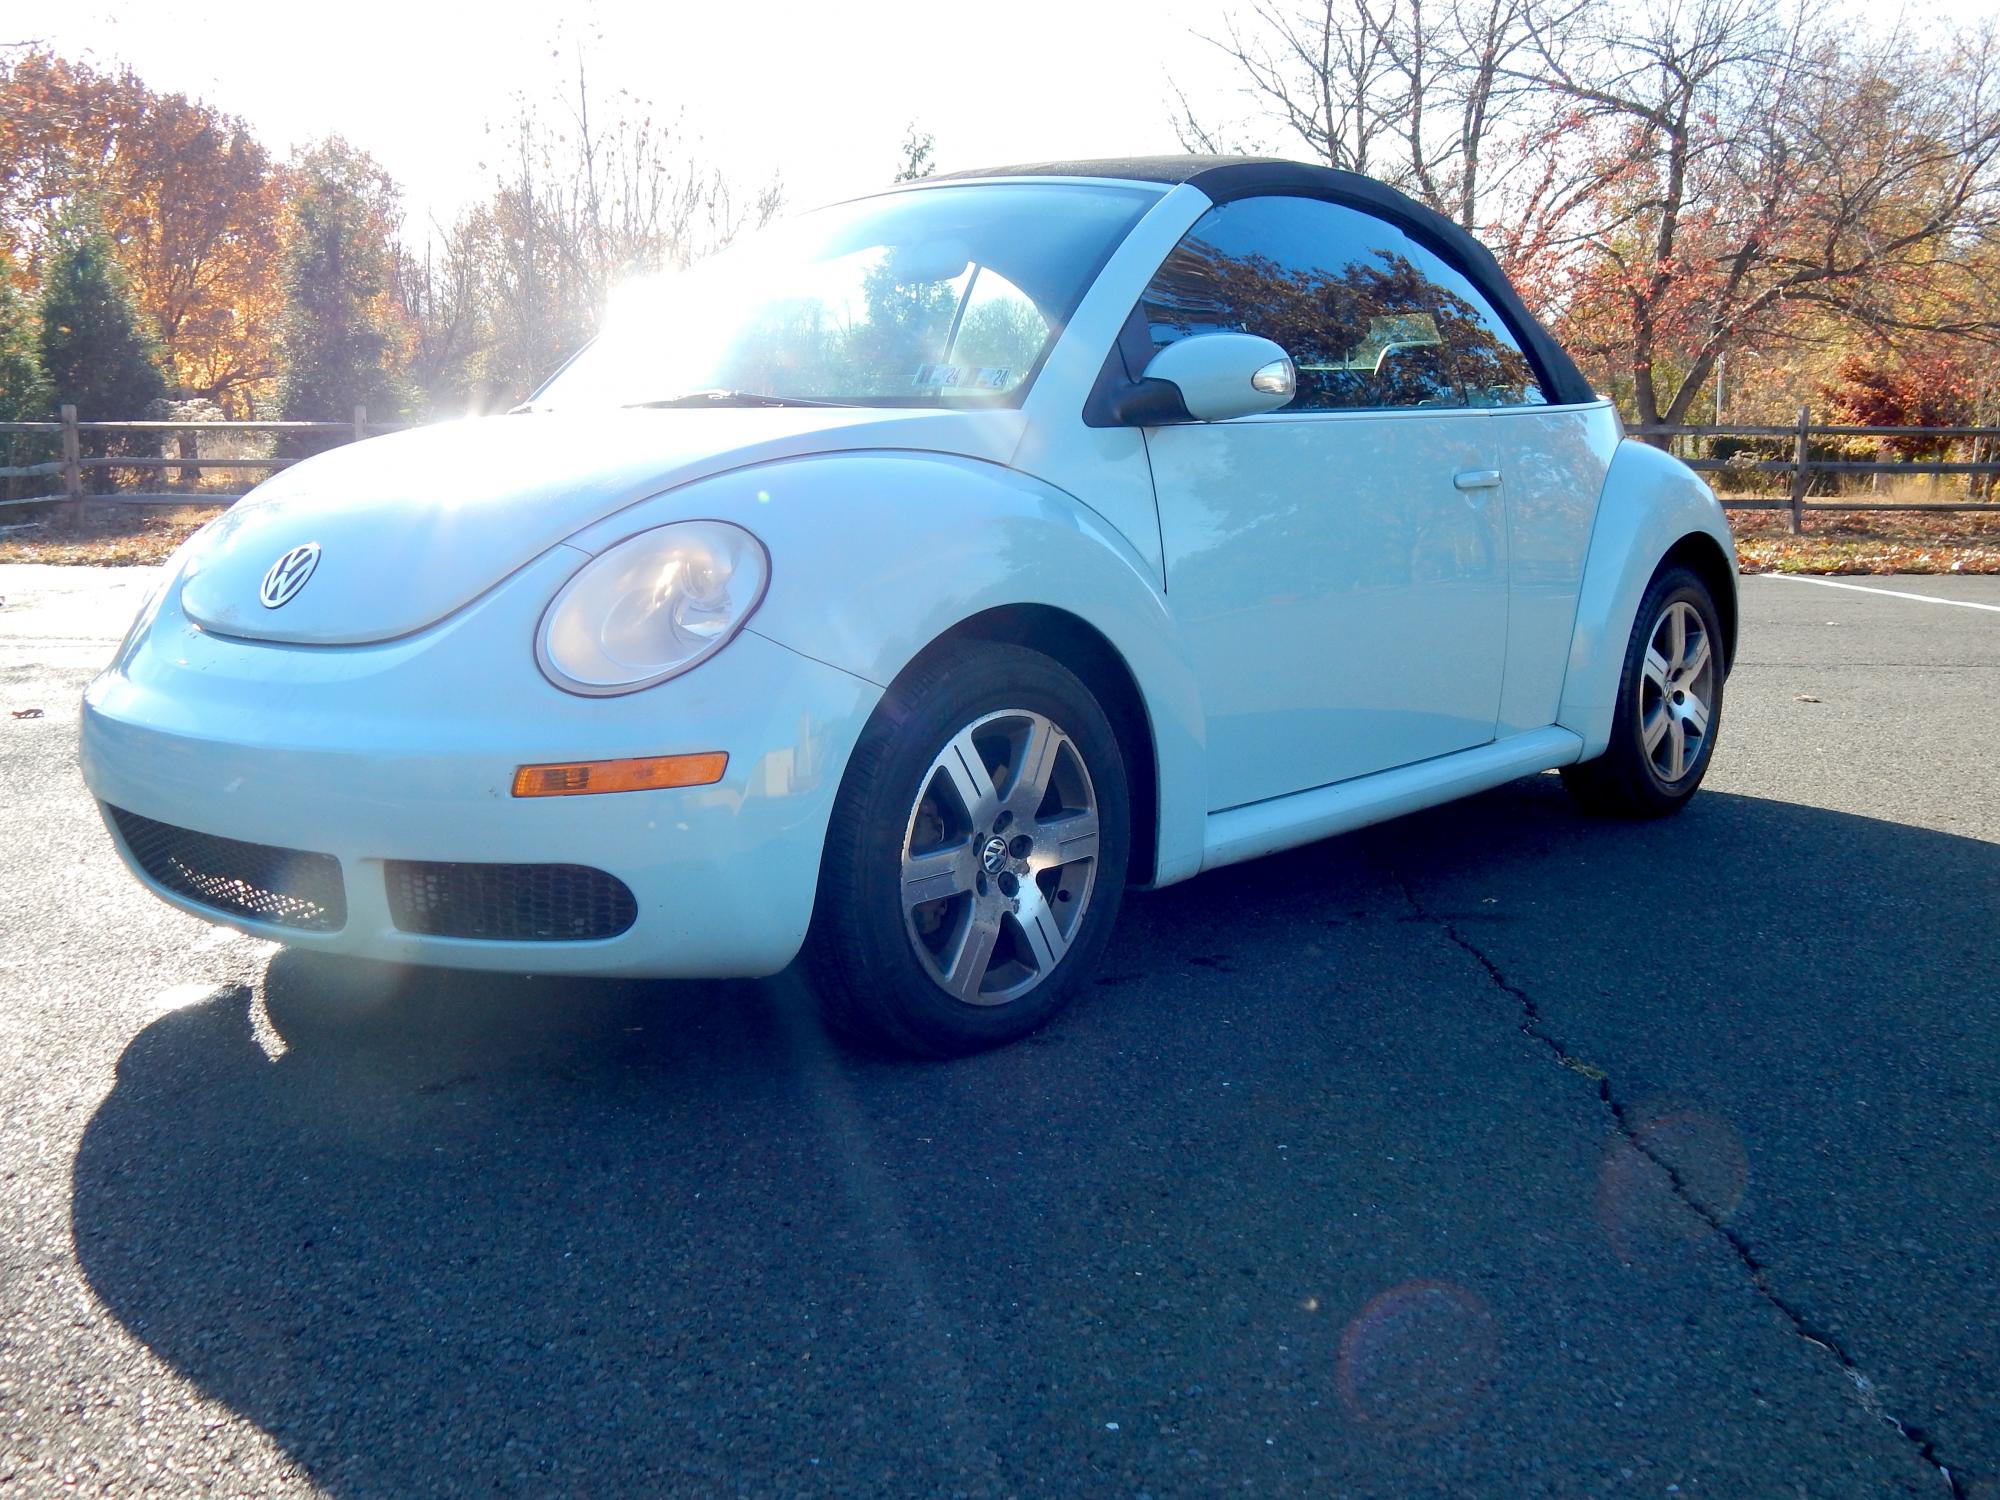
<point x="1669" y="706"/>
<point x="976" y="857"/>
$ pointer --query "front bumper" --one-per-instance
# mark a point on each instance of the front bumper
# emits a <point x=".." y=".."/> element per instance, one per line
<point x="406" y="751"/>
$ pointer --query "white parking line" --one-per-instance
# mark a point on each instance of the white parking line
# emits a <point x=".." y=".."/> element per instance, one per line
<point x="1862" y="588"/>
<point x="181" y="996"/>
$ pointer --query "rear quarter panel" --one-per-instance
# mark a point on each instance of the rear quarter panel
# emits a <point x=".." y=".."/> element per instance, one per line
<point x="1650" y="502"/>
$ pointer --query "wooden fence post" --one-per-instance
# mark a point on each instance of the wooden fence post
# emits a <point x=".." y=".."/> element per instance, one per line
<point x="72" y="458"/>
<point x="360" y="423"/>
<point x="187" y="444"/>
<point x="1800" y="474"/>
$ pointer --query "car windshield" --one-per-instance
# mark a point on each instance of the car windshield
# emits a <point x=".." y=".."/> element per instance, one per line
<point x="947" y="296"/>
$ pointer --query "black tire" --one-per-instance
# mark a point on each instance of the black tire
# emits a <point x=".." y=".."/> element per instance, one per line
<point x="1626" y="781"/>
<point x="863" y="951"/>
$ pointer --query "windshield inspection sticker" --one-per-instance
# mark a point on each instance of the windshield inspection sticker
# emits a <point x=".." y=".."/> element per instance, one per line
<point x="965" y="377"/>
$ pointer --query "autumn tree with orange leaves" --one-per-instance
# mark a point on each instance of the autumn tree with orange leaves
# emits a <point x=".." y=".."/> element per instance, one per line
<point x="1769" y="165"/>
<point x="189" y="198"/>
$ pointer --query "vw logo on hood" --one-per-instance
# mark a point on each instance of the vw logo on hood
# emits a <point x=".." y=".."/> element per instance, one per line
<point x="288" y="575"/>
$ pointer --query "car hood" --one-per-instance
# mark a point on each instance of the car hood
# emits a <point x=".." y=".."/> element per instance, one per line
<point x="414" y="526"/>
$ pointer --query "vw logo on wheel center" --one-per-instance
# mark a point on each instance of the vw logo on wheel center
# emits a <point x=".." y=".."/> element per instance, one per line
<point x="288" y="575"/>
<point x="994" y="856"/>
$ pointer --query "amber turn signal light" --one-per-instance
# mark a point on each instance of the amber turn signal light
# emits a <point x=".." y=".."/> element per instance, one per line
<point x="579" y="778"/>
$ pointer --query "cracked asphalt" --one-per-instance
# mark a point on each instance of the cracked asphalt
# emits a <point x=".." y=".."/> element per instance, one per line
<point x="1494" y="1151"/>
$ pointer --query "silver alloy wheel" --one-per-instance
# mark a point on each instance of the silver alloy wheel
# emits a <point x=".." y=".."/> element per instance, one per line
<point x="1677" y="691"/>
<point x="999" y="857"/>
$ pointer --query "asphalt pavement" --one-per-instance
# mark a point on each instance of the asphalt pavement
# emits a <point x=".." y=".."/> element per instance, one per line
<point x="1495" y="1151"/>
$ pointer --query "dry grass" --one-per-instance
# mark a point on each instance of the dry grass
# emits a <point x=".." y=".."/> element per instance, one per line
<point x="118" y="536"/>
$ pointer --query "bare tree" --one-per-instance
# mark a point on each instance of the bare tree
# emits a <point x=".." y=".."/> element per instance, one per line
<point x="625" y="191"/>
<point x="591" y="193"/>
<point x="1323" y="71"/>
<point x="440" y="292"/>
<point x="1462" y="98"/>
<point x="1754" y="161"/>
<point x="918" y="149"/>
<point x="1414" y="92"/>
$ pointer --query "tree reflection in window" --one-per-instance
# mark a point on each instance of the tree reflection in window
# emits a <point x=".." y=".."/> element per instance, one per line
<point x="1371" y="319"/>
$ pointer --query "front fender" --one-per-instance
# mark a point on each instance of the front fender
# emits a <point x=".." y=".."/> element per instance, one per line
<point x="875" y="555"/>
<point x="1651" y="502"/>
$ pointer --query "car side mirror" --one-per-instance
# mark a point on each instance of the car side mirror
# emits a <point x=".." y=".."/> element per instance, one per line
<point x="1209" y="377"/>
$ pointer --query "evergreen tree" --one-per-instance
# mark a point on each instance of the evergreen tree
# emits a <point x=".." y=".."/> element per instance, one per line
<point x="98" y="353"/>
<point x="24" y="390"/>
<point x="336" y="346"/>
<point x="917" y="148"/>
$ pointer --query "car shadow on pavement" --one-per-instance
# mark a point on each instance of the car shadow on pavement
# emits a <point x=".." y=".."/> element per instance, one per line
<point x="441" y="1233"/>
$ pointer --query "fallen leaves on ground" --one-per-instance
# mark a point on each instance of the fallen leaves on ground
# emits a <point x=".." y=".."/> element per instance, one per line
<point x="122" y="536"/>
<point x="1869" y="542"/>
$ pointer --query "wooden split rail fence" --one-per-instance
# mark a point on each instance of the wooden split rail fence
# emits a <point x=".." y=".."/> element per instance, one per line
<point x="1802" y="463"/>
<point x="73" y="464"/>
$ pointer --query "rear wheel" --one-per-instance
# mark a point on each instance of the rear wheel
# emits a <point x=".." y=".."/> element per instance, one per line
<point x="976" y="857"/>
<point x="1669" y="706"/>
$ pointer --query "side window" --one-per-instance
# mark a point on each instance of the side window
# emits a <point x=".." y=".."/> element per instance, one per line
<point x="999" y="328"/>
<point x="1373" y="319"/>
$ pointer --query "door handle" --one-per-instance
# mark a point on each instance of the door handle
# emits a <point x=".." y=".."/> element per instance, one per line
<point x="1477" y="479"/>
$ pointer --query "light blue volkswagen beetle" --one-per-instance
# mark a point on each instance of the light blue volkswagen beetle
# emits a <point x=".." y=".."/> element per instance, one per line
<point x="899" y="587"/>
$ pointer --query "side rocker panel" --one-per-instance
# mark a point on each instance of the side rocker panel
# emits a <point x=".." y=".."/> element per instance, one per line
<point x="1651" y="501"/>
<point x="876" y="555"/>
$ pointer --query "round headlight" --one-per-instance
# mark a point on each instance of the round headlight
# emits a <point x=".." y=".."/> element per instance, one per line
<point x="652" y="607"/>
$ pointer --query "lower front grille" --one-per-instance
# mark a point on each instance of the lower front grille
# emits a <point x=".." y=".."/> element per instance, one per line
<point x="286" y="887"/>
<point x="508" y="903"/>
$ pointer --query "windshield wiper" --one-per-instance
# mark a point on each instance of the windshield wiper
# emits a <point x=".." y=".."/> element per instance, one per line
<point x="731" y="398"/>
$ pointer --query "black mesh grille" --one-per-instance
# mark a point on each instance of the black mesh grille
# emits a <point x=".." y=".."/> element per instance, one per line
<point x="289" y="887"/>
<point x="509" y="903"/>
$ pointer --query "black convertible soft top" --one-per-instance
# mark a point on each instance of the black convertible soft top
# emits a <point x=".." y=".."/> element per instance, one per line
<point x="1223" y="178"/>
